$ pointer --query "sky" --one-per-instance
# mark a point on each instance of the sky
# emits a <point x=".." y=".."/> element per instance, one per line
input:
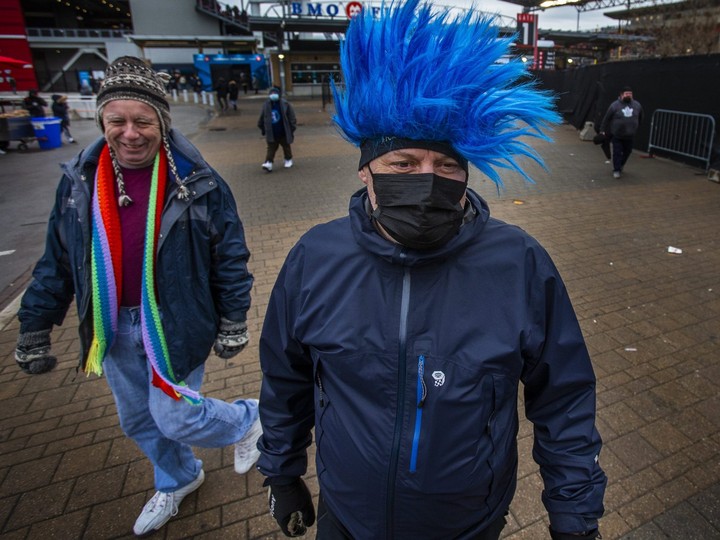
<point x="558" y="18"/>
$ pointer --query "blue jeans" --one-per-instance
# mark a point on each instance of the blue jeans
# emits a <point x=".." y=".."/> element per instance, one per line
<point x="162" y="427"/>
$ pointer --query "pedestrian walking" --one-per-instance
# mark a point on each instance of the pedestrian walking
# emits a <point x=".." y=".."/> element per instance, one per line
<point x="145" y="237"/>
<point x="61" y="109"/>
<point x="400" y="334"/>
<point x="221" y="92"/>
<point x="621" y="123"/>
<point x="277" y="124"/>
<point x="233" y="91"/>
<point x="244" y="82"/>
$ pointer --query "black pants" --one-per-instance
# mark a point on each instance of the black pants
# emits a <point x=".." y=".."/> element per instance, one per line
<point x="273" y="146"/>
<point x="328" y="528"/>
<point x="622" y="148"/>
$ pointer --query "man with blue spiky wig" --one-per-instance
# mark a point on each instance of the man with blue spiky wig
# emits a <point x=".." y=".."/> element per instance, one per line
<point x="401" y="332"/>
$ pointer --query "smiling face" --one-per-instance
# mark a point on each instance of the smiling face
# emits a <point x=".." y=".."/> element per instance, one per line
<point x="132" y="129"/>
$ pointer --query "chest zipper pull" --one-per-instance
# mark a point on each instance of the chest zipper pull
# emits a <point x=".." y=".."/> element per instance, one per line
<point x="318" y="381"/>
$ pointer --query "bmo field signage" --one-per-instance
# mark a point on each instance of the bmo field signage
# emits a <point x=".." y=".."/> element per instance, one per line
<point x="321" y="9"/>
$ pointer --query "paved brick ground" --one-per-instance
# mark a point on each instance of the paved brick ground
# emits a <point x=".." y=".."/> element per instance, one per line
<point x="651" y="319"/>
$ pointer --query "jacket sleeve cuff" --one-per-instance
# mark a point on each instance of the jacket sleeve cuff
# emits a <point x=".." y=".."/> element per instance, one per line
<point x="280" y="480"/>
<point x="572" y="523"/>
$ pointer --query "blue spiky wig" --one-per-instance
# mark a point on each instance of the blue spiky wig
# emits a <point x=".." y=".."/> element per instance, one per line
<point x="419" y="77"/>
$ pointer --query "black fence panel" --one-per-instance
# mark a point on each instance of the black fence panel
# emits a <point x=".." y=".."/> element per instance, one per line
<point x="688" y="84"/>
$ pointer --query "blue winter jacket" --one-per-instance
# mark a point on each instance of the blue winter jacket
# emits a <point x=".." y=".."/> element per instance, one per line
<point x="407" y="364"/>
<point x="201" y="266"/>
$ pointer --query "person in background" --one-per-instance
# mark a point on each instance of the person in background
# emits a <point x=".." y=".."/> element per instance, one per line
<point x="34" y="104"/>
<point x="13" y="83"/>
<point x="401" y="333"/>
<point x="61" y="109"/>
<point x="145" y="238"/>
<point x="233" y="92"/>
<point x="621" y="123"/>
<point x="244" y="82"/>
<point x="277" y="124"/>
<point x="221" y="92"/>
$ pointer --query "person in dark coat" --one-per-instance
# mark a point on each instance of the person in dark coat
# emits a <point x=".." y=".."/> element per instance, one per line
<point x="145" y="238"/>
<point x="34" y="104"/>
<point x="620" y="124"/>
<point x="221" y="92"/>
<point x="61" y="109"/>
<point x="233" y="92"/>
<point x="401" y="333"/>
<point x="277" y="124"/>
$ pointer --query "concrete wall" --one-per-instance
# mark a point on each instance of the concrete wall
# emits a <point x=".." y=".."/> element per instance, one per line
<point x="171" y="17"/>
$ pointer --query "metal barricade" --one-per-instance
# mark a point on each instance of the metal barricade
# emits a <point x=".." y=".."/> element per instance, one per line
<point x="683" y="133"/>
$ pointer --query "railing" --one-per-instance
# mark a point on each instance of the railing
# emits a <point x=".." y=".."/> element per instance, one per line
<point x="686" y="134"/>
<point x="74" y="33"/>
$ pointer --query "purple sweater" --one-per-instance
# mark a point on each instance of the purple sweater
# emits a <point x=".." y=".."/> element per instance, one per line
<point x="133" y="221"/>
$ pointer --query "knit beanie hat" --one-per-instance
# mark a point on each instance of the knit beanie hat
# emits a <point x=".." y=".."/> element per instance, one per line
<point x="129" y="77"/>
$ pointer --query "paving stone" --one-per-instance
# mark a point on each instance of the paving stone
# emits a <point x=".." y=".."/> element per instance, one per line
<point x="657" y="406"/>
<point x="39" y="504"/>
<point x="683" y="521"/>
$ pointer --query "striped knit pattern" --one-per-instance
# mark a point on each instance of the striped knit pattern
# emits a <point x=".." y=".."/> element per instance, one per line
<point x="106" y="263"/>
<point x="152" y="331"/>
<point x="106" y="268"/>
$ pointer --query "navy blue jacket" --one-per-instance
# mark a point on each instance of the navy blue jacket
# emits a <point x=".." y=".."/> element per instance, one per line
<point x="201" y="266"/>
<point x="407" y="364"/>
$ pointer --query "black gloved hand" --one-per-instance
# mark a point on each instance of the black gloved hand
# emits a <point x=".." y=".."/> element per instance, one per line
<point x="32" y="352"/>
<point x="231" y="339"/>
<point x="292" y="507"/>
<point x="589" y="535"/>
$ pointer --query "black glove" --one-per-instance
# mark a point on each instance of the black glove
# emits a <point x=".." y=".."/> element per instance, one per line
<point x="594" y="533"/>
<point x="231" y="339"/>
<point x="32" y="352"/>
<point x="292" y="507"/>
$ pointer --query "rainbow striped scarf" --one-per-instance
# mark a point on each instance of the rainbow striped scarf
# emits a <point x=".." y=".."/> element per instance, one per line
<point x="106" y="268"/>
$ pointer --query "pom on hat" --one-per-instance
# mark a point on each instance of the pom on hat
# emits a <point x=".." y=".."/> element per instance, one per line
<point x="129" y="77"/>
<point x="422" y="74"/>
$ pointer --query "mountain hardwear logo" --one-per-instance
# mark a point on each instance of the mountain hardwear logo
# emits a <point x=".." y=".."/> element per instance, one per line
<point x="439" y="377"/>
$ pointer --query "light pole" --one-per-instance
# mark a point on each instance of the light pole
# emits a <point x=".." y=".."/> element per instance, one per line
<point x="281" y="58"/>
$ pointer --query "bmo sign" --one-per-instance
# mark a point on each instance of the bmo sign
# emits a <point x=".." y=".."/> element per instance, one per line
<point x="318" y="9"/>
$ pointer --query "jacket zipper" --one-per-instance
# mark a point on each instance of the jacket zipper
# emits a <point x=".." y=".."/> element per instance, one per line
<point x="421" y="395"/>
<point x="395" y="451"/>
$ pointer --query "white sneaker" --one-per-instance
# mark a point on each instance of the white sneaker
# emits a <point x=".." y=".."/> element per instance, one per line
<point x="267" y="166"/>
<point x="616" y="174"/>
<point x="246" y="450"/>
<point x="288" y="163"/>
<point x="158" y="510"/>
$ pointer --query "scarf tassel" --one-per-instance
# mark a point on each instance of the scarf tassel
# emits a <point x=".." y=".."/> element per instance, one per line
<point x="95" y="356"/>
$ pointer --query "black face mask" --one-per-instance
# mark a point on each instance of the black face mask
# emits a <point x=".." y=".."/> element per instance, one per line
<point x="627" y="100"/>
<point x="420" y="211"/>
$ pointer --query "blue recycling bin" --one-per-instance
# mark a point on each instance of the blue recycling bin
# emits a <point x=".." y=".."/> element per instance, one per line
<point x="47" y="131"/>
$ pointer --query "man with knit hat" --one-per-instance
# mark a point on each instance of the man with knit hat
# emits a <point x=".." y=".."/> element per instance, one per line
<point x="401" y="332"/>
<point x="145" y="235"/>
